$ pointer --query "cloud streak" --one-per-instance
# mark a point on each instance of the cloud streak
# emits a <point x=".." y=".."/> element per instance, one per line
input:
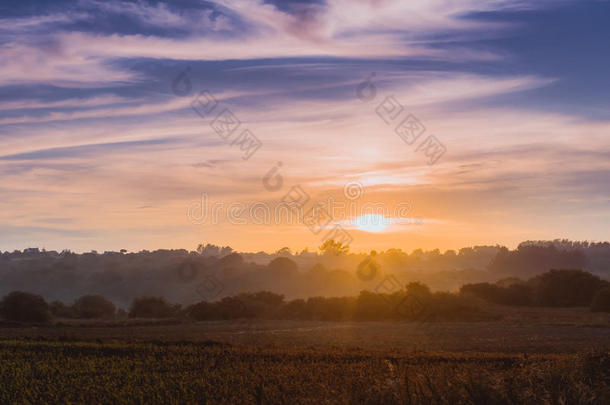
<point x="91" y="131"/>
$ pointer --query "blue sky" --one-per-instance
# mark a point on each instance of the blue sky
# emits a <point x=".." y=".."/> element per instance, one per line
<point x="91" y="130"/>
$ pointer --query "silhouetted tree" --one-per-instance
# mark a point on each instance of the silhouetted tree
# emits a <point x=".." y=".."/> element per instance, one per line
<point x="231" y="260"/>
<point x="283" y="264"/>
<point x="417" y="288"/>
<point x="518" y="295"/>
<point x="24" y="307"/>
<point x="295" y="309"/>
<point x="486" y="291"/>
<point x="513" y="294"/>
<point x="530" y="259"/>
<point x="93" y="306"/>
<point x="330" y="247"/>
<point x="152" y="307"/>
<point x="235" y="308"/>
<point x="203" y="311"/>
<point x="285" y="251"/>
<point x="566" y="288"/>
<point x="60" y="310"/>
<point x="371" y="306"/>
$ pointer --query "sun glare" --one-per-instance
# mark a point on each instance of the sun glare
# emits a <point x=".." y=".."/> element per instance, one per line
<point x="372" y="223"/>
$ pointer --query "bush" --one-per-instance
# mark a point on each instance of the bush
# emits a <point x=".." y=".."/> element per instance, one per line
<point x="60" y="310"/>
<point x="444" y="306"/>
<point x="152" y="307"/>
<point x="368" y="306"/>
<point x="488" y="292"/>
<point x="518" y="295"/>
<point x="25" y="307"/>
<point x="566" y="288"/>
<point x="282" y="265"/>
<point x="231" y="260"/>
<point x="203" y="311"/>
<point x="555" y="288"/>
<point x="601" y="301"/>
<point x="331" y="308"/>
<point x="235" y="308"/>
<point x="93" y="306"/>
<point x="295" y="309"/>
<point x="418" y="289"/>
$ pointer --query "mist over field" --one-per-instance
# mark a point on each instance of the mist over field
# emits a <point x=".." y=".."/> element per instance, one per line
<point x="211" y="272"/>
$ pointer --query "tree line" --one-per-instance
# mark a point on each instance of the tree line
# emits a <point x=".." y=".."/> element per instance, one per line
<point x="330" y="271"/>
<point x="556" y="288"/>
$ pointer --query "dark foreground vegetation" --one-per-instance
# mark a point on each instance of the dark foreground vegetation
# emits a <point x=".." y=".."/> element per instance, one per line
<point x="54" y="372"/>
<point x="556" y="288"/>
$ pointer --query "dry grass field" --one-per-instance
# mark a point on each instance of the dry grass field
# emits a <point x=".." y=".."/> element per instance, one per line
<point x="34" y="371"/>
<point x="530" y="357"/>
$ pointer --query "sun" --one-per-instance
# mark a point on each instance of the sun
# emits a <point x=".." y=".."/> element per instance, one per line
<point x="372" y="223"/>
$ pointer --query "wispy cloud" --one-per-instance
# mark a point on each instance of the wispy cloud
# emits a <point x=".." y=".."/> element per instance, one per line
<point x="356" y="29"/>
<point x="83" y="151"/>
<point x="89" y="124"/>
<point x="29" y="104"/>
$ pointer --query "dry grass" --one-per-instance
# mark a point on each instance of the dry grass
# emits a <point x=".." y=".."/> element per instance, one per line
<point x="212" y="373"/>
<point x="531" y="357"/>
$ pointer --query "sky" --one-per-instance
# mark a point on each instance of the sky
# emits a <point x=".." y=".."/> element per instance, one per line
<point x="147" y="124"/>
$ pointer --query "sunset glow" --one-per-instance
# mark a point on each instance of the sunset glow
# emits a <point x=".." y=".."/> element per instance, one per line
<point x="372" y="223"/>
<point x="305" y="202"/>
<point x="109" y="121"/>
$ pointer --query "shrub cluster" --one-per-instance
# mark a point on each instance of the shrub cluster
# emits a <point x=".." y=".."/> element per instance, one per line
<point x="86" y="307"/>
<point x="24" y="307"/>
<point x="153" y="307"/>
<point x="555" y="288"/>
<point x="371" y="306"/>
<point x="416" y="302"/>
